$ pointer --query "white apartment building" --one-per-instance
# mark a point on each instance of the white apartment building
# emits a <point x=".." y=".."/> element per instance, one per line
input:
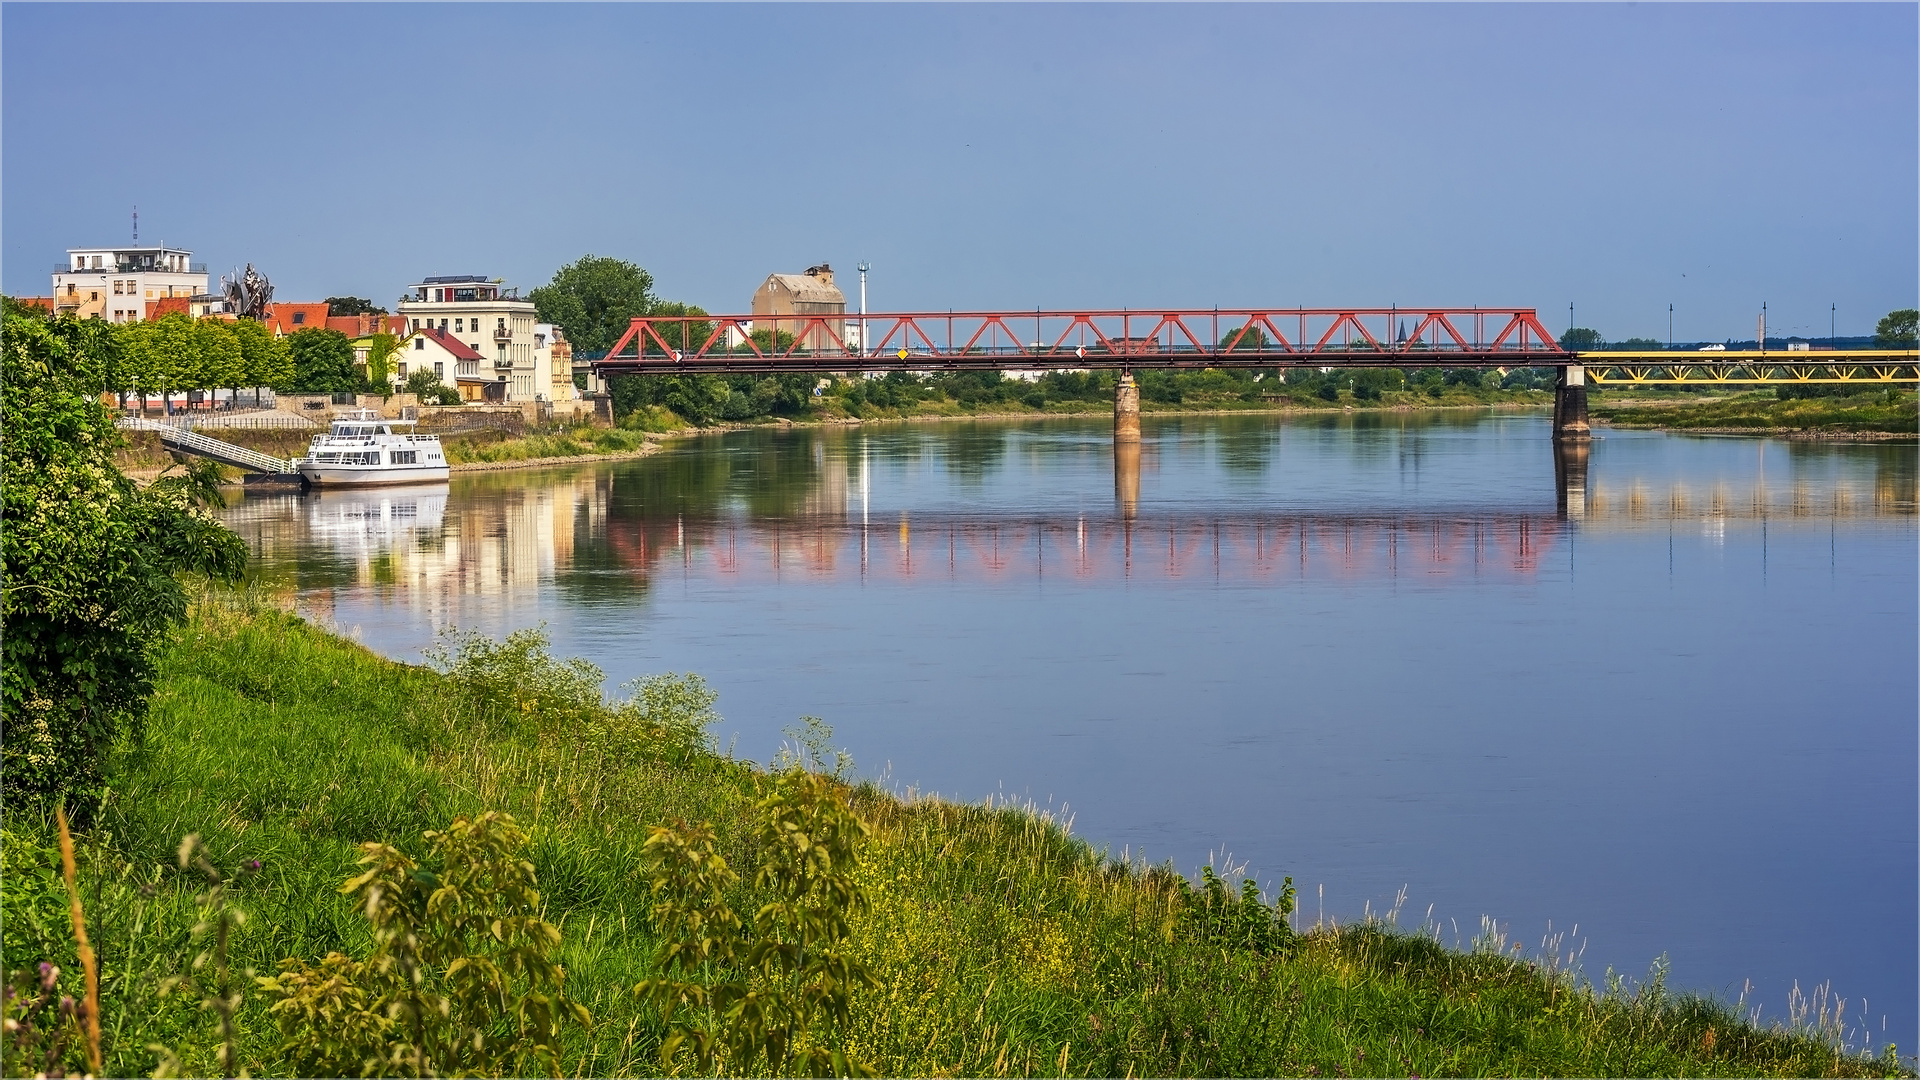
<point x="116" y="283"/>
<point x="490" y="319"/>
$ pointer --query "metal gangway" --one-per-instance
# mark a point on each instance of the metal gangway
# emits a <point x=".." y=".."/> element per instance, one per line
<point x="182" y="438"/>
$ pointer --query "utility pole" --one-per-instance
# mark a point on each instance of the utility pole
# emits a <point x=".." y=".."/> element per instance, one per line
<point x="1669" y="327"/>
<point x="1833" y="325"/>
<point x="1762" y="335"/>
<point x="863" y="309"/>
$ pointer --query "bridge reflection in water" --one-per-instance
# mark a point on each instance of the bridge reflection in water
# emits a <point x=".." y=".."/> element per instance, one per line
<point x="1272" y="547"/>
<point x="499" y="535"/>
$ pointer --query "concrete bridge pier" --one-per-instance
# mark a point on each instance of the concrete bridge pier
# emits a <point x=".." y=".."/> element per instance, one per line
<point x="1570" y="476"/>
<point x="1570" y="405"/>
<point x="1126" y="410"/>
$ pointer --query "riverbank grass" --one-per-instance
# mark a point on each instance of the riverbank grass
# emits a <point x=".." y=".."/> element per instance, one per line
<point x="999" y="943"/>
<point x="1878" y="411"/>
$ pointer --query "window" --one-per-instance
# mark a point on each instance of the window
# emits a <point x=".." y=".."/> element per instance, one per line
<point x="404" y="457"/>
<point x="93" y="296"/>
<point x="419" y="343"/>
<point x="459" y="326"/>
<point x="116" y="286"/>
<point x="96" y="262"/>
<point x="149" y="292"/>
<point x="401" y="370"/>
<point x="439" y="370"/>
<point x="299" y="317"/>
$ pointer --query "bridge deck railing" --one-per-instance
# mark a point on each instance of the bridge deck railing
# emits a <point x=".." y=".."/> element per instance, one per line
<point x="1105" y="338"/>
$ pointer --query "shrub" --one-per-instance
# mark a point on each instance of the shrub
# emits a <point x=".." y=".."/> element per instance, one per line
<point x="776" y="992"/>
<point x="91" y="563"/>
<point x="1242" y="921"/>
<point x="520" y="683"/>
<point x="461" y="979"/>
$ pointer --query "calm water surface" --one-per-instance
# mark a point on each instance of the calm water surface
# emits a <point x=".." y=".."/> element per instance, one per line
<point x="1675" y="710"/>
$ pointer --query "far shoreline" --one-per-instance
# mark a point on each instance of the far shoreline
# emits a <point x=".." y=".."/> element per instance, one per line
<point x="656" y="441"/>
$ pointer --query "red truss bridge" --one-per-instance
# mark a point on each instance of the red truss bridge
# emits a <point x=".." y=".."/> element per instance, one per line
<point x="1053" y="340"/>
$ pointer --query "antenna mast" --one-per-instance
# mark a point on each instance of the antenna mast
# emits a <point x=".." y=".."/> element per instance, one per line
<point x="136" y="224"/>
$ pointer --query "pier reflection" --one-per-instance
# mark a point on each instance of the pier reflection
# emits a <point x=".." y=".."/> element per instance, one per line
<point x="1126" y="477"/>
<point x="1570" y="476"/>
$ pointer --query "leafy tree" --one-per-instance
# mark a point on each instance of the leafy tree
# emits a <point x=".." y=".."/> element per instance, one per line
<point x="1369" y="383"/>
<point x="20" y="307"/>
<point x="425" y="385"/>
<point x="161" y="355"/>
<point x="92" y="562"/>
<point x="264" y="358"/>
<point x="380" y="352"/>
<point x="684" y="337"/>
<point x="768" y="340"/>
<point x="218" y="359"/>
<point x="1249" y="338"/>
<point x="1640" y="344"/>
<point x="594" y="298"/>
<point x="1899" y="330"/>
<point x="352" y="305"/>
<point x="1581" y="338"/>
<point x="322" y="362"/>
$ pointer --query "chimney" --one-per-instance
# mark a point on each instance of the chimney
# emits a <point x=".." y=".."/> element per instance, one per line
<point x="823" y="272"/>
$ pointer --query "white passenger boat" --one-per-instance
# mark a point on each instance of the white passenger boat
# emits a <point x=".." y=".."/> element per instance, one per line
<point x="362" y="448"/>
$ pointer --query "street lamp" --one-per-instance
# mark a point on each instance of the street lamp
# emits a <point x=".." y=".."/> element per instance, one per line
<point x="863" y="308"/>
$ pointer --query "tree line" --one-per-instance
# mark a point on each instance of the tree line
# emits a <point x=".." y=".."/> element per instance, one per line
<point x="175" y="355"/>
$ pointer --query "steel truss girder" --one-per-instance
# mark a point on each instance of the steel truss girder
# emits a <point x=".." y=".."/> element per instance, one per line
<point x="1863" y="368"/>
<point x="1171" y="338"/>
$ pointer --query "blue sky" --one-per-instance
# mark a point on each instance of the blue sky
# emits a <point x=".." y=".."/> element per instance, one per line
<point x="1619" y="157"/>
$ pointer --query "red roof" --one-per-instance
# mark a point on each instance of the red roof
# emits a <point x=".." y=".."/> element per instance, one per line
<point x="284" y="319"/>
<point x="168" y="305"/>
<point x="365" y="325"/>
<point x="460" y="349"/>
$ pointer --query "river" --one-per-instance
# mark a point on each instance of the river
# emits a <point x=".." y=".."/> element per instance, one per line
<point x="1399" y="657"/>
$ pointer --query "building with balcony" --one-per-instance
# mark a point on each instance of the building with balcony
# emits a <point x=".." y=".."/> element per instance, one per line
<point x="490" y="319"/>
<point x="116" y="283"/>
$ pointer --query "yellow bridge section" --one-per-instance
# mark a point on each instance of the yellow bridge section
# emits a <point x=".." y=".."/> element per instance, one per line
<point x="1753" y="367"/>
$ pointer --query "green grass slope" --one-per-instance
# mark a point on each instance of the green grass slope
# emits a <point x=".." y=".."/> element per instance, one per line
<point x="1002" y="944"/>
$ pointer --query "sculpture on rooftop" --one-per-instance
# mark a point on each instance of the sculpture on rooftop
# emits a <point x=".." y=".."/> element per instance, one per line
<point x="247" y="294"/>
